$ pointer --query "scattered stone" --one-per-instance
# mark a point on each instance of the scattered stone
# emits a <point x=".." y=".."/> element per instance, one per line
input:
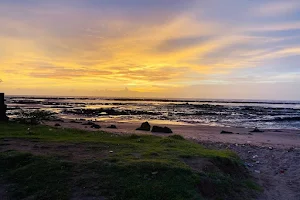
<point x="29" y="131"/>
<point x="112" y="126"/>
<point x="270" y="148"/>
<point x="57" y="124"/>
<point x="257" y="171"/>
<point x="249" y="165"/>
<point x="159" y="129"/>
<point x="255" y="156"/>
<point x="144" y="127"/>
<point x="154" y="173"/>
<point x="256" y="130"/>
<point x="257" y="162"/>
<point x="154" y="154"/>
<point x="89" y="123"/>
<point x="75" y="122"/>
<point x="111" y="151"/>
<point x="96" y="126"/>
<point x="226" y="132"/>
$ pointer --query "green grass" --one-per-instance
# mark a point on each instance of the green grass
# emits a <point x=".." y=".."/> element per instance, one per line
<point x="140" y="167"/>
<point x="35" y="177"/>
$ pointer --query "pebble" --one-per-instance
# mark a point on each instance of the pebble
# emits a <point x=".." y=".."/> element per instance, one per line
<point x="255" y="156"/>
<point x="257" y="162"/>
<point x="257" y="171"/>
<point x="110" y="151"/>
<point x="154" y="173"/>
<point x="270" y="148"/>
<point x="249" y="165"/>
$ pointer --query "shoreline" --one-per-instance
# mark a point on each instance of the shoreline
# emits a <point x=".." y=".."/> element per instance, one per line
<point x="275" y="138"/>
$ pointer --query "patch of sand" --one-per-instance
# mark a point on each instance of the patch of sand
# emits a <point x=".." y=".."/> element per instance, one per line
<point x="275" y="138"/>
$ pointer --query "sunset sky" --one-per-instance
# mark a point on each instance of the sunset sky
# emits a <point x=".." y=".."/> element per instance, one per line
<point x="247" y="49"/>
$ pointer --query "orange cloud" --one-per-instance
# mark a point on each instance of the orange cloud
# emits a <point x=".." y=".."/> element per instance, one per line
<point x="65" y="47"/>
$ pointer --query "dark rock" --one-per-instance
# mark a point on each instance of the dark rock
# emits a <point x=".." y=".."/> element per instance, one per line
<point x="88" y="124"/>
<point x="159" y="129"/>
<point x="154" y="154"/>
<point x="57" y="125"/>
<point x="226" y="132"/>
<point x="96" y="126"/>
<point x="112" y="126"/>
<point x="256" y="130"/>
<point x="144" y="127"/>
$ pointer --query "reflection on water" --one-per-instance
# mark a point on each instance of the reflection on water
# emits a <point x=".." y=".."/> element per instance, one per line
<point x="237" y="113"/>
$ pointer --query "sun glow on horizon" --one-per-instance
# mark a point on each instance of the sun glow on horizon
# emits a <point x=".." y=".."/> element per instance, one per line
<point x="153" y="48"/>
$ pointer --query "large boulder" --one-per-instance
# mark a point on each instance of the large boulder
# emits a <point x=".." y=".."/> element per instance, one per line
<point x="159" y="129"/>
<point x="96" y="126"/>
<point x="112" y="126"/>
<point x="144" y="127"/>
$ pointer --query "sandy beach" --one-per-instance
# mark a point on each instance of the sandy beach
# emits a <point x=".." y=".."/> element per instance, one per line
<point x="272" y="156"/>
<point x="279" y="138"/>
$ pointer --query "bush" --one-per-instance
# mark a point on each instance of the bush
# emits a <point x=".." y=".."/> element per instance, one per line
<point x="35" y="117"/>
